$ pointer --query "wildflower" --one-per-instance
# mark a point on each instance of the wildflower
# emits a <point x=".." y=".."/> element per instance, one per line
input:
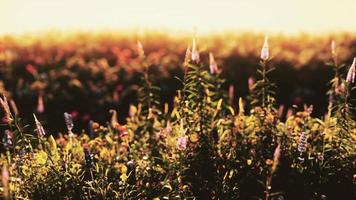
<point x="195" y="53"/>
<point x="95" y="125"/>
<point x="114" y="121"/>
<point x="320" y="157"/>
<point x="5" y="106"/>
<point x="231" y="94"/>
<point x="131" y="164"/>
<point x="302" y="145"/>
<point x="302" y="142"/>
<point x="40" y="106"/>
<point x="333" y="48"/>
<point x="39" y="128"/>
<point x="7" y="139"/>
<point x="5" y="177"/>
<point x="140" y="50"/>
<point x="91" y="130"/>
<point x="115" y="96"/>
<point x="14" y="107"/>
<point x="161" y="134"/>
<point x="212" y="66"/>
<point x="265" y="50"/>
<point x="251" y="83"/>
<point x="132" y="111"/>
<point x="182" y="130"/>
<point x="69" y="123"/>
<point x="289" y="113"/>
<point x="169" y="128"/>
<point x="269" y="162"/>
<point x="280" y="111"/>
<point x="249" y="162"/>
<point x="308" y="110"/>
<point x="351" y="73"/>
<point x="122" y="130"/>
<point x="331" y="98"/>
<point x="31" y="69"/>
<point x="188" y="54"/>
<point x="241" y="106"/>
<point x="276" y="156"/>
<point x="269" y="118"/>
<point x="150" y="113"/>
<point x="182" y="143"/>
<point x="21" y="159"/>
<point x="340" y="89"/>
<point x="194" y="137"/>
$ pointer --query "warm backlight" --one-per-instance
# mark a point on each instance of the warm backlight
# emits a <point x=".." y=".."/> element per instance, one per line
<point x="286" y="16"/>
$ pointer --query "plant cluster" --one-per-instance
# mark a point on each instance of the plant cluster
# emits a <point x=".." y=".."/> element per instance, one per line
<point x="201" y="148"/>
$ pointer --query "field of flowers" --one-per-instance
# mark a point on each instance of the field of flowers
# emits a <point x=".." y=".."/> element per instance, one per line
<point x="205" y="143"/>
<point x="44" y="72"/>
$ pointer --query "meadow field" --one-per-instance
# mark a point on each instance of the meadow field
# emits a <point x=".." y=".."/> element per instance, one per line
<point x="121" y="115"/>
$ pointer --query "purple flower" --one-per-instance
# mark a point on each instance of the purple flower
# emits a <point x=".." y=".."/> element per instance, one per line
<point x="40" y="105"/>
<point x="333" y="47"/>
<point x="182" y="143"/>
<point x="351" y="73"/>
<point x="188" y="54"/>
<point x="91" y="130"/>
<point x="140" y="50"/>
<point x="195" y="53"/>
<point x="6" y="108"/>
<point x="251" y="83"/>
<point x="231" y="93"/>
<point x="39" y="128"/>
<point x="212" y="66"/>
<point x="169" y="127"/>
<point x="7" y="139"/>
<point x="276" y="156"/>
<point x="265" y="50"/>
<point x="69" y="123"/>
<point x="302" y="142"/>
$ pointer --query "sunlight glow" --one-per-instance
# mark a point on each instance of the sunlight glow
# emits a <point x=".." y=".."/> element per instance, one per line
<point x="18" y="16"/>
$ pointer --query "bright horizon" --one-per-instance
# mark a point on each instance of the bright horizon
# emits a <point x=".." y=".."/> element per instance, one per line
<point x="277" y="16"/>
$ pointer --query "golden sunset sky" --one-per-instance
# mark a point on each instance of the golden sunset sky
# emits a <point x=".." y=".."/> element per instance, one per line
<point x="278" y="16"/>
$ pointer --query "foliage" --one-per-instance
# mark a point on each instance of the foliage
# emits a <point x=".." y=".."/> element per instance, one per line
<point x="202" y="148"/>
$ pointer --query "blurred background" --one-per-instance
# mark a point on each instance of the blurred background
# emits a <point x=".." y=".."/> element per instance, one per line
<point x="80" y="56"/>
